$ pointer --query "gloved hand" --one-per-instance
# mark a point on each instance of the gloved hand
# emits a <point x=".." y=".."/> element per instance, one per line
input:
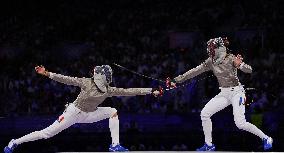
<point x="41" y="70"/>
<point x="170" y="84"/>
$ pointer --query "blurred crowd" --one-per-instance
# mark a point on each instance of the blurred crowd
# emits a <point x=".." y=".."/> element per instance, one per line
<point x="74" y="37"/>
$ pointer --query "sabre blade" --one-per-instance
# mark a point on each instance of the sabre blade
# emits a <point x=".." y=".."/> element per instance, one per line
<point x="134" y="72"/>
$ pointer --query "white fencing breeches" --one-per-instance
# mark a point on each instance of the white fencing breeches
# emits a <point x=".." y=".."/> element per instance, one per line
<point x="227" y="96"/>
<point x="70" y="116"/>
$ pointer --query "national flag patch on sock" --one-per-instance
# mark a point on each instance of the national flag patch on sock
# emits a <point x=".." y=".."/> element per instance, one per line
<point x="60" y="118"/>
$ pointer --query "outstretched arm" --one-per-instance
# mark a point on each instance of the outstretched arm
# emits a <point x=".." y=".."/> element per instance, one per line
<point x="193" y="72"/>
<point x="60" y="78"/>
<point x="113" y="91"/>
<point x="238" y="63"/>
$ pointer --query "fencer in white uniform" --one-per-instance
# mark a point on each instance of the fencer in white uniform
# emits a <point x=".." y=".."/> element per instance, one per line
<point x="85" y="108"/>
<point x="224" y="66"/>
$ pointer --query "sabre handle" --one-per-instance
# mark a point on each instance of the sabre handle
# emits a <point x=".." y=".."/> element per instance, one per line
<point x="158" y="92"/>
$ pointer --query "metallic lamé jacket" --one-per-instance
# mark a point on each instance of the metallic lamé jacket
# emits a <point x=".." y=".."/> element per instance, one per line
<point x="90" y="96"/>
<point x="225" y="72"/>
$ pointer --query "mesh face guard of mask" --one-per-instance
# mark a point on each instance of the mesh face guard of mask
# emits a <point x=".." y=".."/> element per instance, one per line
<point x="102" y="76"/>
<point x="216" y="49"/>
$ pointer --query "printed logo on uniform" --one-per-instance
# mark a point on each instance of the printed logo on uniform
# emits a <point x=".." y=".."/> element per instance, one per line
<point x="60" y="118"/>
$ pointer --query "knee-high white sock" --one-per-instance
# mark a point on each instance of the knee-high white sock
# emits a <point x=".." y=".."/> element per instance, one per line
<point x="254" y="130"/>
<point x="207" y="129"/>
<point x="29" y="137"/>
<point x="114" y="130"/>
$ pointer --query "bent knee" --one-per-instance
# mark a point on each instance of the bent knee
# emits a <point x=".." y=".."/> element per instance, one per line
<point x="113" y="113"/>
<point x="205" y="115"/>
<point x="241" y="124"/>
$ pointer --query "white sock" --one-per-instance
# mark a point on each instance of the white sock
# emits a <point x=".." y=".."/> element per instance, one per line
<point x="29" y="137"/>
<point x="11" y="143"/>
<point x="207" y="129"/>
<point x="254" y="130"/>
<point x="114" y="130"/>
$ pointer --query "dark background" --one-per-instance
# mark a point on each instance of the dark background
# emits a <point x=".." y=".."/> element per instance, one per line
<point x="156" y="38"/>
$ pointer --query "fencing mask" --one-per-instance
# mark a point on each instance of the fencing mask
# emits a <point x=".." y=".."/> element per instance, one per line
<point x="216" y="49"/>
<point x="102" y="77"/>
